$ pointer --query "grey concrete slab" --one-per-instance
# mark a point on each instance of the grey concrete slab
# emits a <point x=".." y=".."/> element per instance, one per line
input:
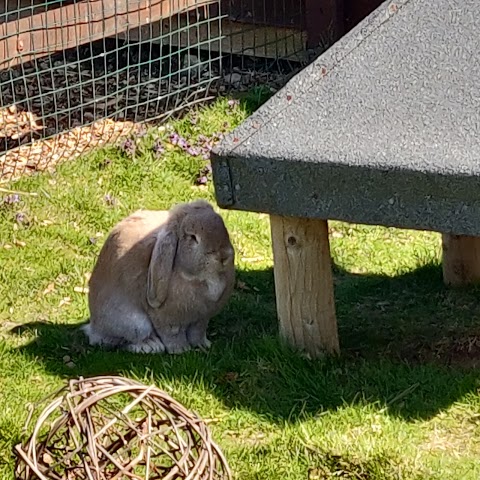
<point x="383" y="128"/>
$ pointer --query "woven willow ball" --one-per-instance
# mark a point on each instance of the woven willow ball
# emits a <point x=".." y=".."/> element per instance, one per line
<point x="113" y="428"/>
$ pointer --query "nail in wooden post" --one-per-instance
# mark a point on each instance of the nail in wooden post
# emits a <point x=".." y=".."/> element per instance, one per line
<point x="304" y="284"/>
<point x="461" y="259"/>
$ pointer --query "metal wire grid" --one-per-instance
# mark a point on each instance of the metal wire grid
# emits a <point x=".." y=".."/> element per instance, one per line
<point x="266" y="31"/>
<point x="75" y="75"/>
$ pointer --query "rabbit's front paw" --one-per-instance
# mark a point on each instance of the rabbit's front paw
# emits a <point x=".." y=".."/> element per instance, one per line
<point x="176" y="348"/>
<point x="150" y="345"/>
<point x="203" y="344"/>
<point x="175" y="340"/>
<point x="197" y="336"/>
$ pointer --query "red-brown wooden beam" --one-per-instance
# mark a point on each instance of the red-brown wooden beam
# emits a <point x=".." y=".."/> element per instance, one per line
<point x="58" y="29"/>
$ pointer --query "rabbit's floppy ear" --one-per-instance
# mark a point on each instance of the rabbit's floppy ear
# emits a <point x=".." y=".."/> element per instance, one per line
<point x="161" y="267"/>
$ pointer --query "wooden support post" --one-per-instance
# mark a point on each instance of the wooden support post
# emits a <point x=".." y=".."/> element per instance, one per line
<point x="304" y="284"/>
<point x="461" y="259"/>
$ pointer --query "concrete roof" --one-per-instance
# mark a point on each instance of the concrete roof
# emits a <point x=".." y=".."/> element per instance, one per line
<point x="382" y="128"/>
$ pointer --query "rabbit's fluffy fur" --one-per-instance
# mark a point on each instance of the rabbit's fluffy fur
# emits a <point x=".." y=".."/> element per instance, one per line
<point x="159" y="278"/>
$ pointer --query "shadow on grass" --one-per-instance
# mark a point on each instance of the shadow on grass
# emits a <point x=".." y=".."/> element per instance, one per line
<point x="408" y="344"/>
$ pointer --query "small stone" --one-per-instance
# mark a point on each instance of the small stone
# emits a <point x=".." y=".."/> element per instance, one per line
<point x="233" y="78"/>
<point x="70" y="365"/>
<point x="66" y="359"/>
<point x="189" y="61"/>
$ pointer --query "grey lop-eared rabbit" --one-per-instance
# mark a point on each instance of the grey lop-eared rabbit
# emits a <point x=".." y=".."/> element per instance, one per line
<point x="159" y="278"/>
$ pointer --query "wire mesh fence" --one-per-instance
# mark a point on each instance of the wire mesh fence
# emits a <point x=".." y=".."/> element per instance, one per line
<point x="76" y="74"/>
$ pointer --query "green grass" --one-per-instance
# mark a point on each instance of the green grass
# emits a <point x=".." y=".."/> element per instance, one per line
<point x="401" y="403"/>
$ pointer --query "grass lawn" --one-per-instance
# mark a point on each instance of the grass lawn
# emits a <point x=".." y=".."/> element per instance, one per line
<point x="401" y="403"/>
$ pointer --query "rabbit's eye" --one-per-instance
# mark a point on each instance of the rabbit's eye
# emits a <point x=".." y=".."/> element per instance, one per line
<point x="193" y="238"/>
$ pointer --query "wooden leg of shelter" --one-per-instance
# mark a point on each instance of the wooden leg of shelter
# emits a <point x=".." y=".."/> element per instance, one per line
<point x="461" y="259"/>
<point x="304" y="284"/>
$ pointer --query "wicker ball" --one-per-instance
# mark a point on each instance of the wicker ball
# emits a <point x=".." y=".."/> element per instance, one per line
<point x="112" y="428"/>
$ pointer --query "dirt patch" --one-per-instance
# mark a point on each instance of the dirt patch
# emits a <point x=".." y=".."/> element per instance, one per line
<point x="457" y="350"/>
<point x="380" y="466"/>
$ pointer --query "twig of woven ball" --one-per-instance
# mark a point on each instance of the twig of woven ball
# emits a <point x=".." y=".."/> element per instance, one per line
<point x="114" y="428"/>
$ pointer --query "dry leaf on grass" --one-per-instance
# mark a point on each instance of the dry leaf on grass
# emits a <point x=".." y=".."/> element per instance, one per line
<point x="50" y="288"/>
<point x="65" y="301"/>
<point x="242" y="285"/>
<point x="80" y="289"/>
<point x="253" y="259"/>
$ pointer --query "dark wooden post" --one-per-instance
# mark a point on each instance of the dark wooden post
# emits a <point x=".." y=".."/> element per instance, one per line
<point x="323" y="21"/>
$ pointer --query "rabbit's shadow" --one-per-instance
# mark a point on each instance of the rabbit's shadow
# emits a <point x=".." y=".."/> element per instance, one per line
<point x="407" y="342"/>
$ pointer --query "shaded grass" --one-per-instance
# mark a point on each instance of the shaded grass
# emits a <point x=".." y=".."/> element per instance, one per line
<point x="401" y="403"/>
